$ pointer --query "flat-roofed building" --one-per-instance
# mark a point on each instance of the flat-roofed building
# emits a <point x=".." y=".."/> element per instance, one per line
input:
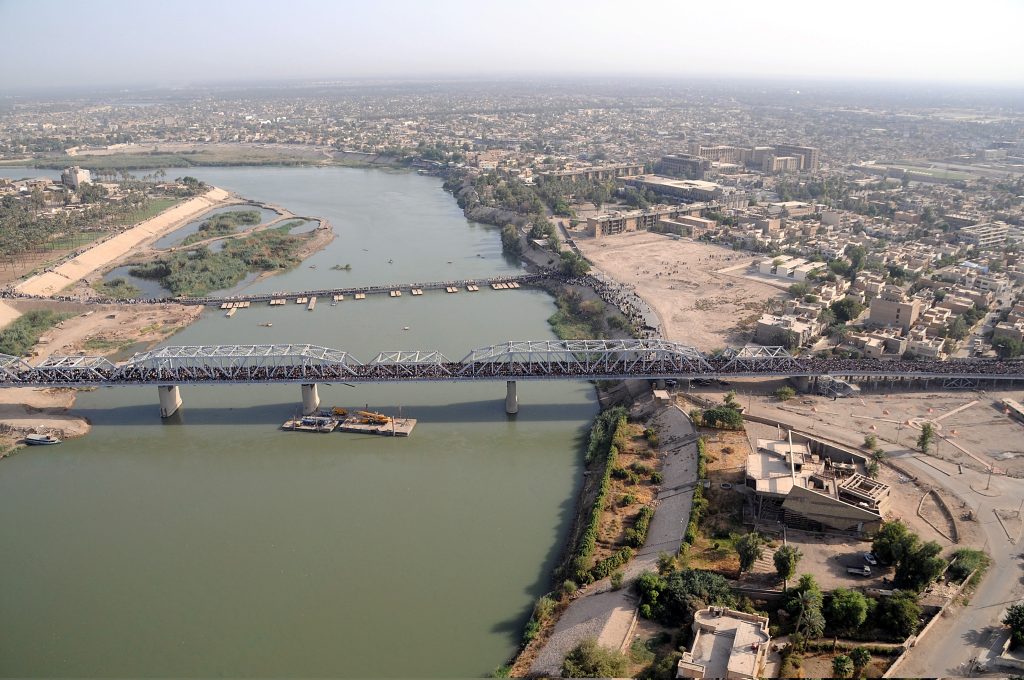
<point x="810" y="157"/>
<point x="617" y="221"/>
<point x="684" y="165"/>
<point x="803" y="489"/>
<point x="685" y="225"/>
<point x="893" y="308"/>
<point x="726" y="644"/>
<point x="596" y="172"/>
<point x="719" y="153"/>
<point x="689" y="190"/>
<point x="985" y="235"/>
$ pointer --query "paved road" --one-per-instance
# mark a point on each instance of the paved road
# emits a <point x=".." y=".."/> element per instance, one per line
<point x="967" y="632"/>
<point x="608" y="614"/>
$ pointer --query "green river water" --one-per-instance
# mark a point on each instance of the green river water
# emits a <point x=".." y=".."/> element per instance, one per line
<point x="217" y="545"/>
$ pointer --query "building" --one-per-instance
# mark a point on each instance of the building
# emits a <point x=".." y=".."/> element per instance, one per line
<point x="815" y="491"/>
<point x="785" y="330"/>
<point x="74" y="176"/>
<point x="617" y="221"/>
<point x="596" y="172"/>
<point x="689" y="190"/>
<point x="893" y="308"/>
<point x="684" y="165"/>
<point x="726" y="644"/>
<point x="810" y="157"/>
<point x="985" y="235"/>
<point x="720" y="153"/>
<point x="685" y="225"/>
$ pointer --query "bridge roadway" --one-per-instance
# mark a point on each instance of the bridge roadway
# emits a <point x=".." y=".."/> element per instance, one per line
<point x="308" y="365"/>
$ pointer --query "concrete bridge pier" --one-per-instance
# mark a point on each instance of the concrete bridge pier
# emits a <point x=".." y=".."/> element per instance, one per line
<point x="511" y="399"/>
<point x="310" y="399"/>
<point x="803" y="383"/>
<point x="170" y="400"/>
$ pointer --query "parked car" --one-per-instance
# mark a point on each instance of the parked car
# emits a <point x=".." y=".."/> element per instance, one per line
<point x="870" y="559"/>
<point x="859" y="571"/>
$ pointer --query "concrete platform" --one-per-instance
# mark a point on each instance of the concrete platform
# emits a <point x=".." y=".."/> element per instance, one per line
<point x="398" y="427"/>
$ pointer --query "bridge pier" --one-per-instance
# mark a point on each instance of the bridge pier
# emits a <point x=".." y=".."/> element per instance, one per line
<point x="310" y="399"/>
<point x="511" y="398"/>
<point x="170" y="400"/>
<point x="803" y="383"/>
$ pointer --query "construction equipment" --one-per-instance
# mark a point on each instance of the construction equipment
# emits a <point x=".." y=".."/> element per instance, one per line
<point x="338" y="411"/>
<point x="373" y="418"/>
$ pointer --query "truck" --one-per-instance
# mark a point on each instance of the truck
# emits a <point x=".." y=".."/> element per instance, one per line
<point x="859" y="571"/>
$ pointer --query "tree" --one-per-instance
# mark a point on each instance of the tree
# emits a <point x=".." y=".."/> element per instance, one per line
<point x="872" y="469"/>
<point x="730" y="400"/>
<point x="573" y="265"/>
<point x="724" y="417"/>
<point x="847" y="309"/>
<point x="890" y="542"/>
<point x="846" y="610"/>
<point x="806" y="603"/>
<point x="590" y="660"/>
<point x="785" y="393"/>
<point x="857" y="256"/>
<point x="786" y="558"/>
<point x="750" y="548"/>
<point x="920" y="565"/>
<point x="842" y="666"/>
<point x="924" y="441"/>
<point x="899" y="614"/>
<point x="870" y="441"/>
<point x="838" y="333"/>
<point x="799" y="289"/>
<point x="860" y="657"/>
<point x="1015" y="620"/>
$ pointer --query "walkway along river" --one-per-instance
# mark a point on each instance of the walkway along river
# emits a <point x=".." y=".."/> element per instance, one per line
<point x="213" y="544"/>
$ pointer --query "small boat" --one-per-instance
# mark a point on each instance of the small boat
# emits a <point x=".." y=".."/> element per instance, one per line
<point x="334" y="304"/>
<point x="41" y="439"/>
<point x="267" y="324"/>
<point x="405" y="328"/>
<point x="391" y="261"/>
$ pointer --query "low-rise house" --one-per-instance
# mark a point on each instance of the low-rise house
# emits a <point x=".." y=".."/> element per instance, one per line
<point x="726" y="644"/>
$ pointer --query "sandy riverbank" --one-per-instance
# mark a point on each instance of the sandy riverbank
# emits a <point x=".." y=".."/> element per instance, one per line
<point x="697" y="304"/>
<point x="105" y="253"/>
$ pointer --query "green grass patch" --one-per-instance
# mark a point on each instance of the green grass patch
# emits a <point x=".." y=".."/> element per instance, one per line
<point x="153" y="207"/>
<point x="22" y="334"/>
<point x="223" y="224"/>
<point x="104" y="345"/>
<point x="577" y="320"/>
<point x="199" y="271"/>
<point x="117" y="289"/>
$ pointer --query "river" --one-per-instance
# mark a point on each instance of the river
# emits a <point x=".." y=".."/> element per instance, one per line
<point x="216" y="544"/>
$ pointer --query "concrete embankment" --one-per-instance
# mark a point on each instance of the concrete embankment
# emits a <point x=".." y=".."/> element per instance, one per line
<point x="102" y="254"/>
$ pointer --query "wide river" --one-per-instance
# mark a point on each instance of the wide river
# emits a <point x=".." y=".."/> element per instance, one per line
<point x="216" y="544"/>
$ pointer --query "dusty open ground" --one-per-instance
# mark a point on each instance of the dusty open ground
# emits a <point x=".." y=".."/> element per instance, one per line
<point x="104" y="330"/>
<point x="696" y="303"/>
<point x="102" y="254"/>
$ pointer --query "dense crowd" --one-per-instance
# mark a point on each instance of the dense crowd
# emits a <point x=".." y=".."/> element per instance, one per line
<point x="630" y="364"/>
<point x="624" y="298"/>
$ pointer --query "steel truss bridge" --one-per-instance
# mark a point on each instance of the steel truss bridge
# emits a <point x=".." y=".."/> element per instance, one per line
<point x="509" y="361"/>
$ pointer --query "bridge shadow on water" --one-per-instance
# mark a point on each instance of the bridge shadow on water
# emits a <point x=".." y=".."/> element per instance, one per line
<point x="487" y="411"/>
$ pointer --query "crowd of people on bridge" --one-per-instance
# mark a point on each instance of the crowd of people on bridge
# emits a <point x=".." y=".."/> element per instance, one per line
<point x="630" y="364"/>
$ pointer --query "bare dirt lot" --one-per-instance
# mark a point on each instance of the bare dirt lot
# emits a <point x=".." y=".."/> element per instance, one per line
<point x="696" y="303"/>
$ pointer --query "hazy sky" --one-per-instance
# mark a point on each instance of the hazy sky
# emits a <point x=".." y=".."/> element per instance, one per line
<point x="110" y="42"/>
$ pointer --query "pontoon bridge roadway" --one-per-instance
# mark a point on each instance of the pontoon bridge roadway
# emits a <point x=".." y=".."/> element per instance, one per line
<point x="169" y="367"/>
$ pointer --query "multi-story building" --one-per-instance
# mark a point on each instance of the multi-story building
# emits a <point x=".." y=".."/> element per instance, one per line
<point x="893" y="308"/>
<point x="684" y="165"/>
<point x="985" y="235"/>
<point x="726" y="644"/>
<point x="689" y="190"/>
<point x="597" y="172"/>
<point x="74" y="177"/>
<point x="720" y="153"/>
<point x="810" y="157"/>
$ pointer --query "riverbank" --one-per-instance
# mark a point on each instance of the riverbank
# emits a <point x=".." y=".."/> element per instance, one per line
<point x="105" y="253"/>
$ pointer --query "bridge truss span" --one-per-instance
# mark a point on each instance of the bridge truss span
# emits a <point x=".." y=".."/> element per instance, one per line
<point x="567" y="358"/>
<point x="404" y="364"/>
<point x="238" y="363"/>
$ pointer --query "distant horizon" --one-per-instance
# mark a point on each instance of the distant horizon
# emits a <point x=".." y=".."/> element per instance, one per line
<point x="118" y="44"/>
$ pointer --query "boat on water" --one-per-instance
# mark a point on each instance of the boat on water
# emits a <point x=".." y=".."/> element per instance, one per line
<point x="41" y="440"/>
<point x="267" y="324"/>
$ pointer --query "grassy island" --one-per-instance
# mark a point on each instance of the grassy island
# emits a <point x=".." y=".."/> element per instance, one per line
<point x="118" y="289"/>
<point x="223" y="224"/>
<point x="22" y="334"/>
<point x="198" y="271"/>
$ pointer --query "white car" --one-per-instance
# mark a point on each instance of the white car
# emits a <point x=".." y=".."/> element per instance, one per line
<point x="870" y="559"/>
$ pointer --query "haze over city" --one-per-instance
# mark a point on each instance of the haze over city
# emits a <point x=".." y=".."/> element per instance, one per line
<point x="69" y="44"/>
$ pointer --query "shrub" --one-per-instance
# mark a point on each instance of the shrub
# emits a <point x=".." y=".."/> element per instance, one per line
<point x="966" y="560"/>
<point x="638" y="534"/>
<point x="617" y="580"/>
<point x="640" y="468"/>
<point x="611" y="563"/>
<point x="590" y="660"/>
<point x="21" y="335"/>
<point x="657" y="477"/>
<point x="785" y="393"/>
<point x="870" y="441"/>
<point x="569" y="586"/>
<point x="627" y="500"/>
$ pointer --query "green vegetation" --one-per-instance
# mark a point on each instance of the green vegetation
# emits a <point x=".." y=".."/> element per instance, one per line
<point x="224" y="224"/>
<point x="590" y="660"/>
<point x="899" y="614"/>
<point x="805" y="602"/>
<point x="1015" y="620"/>
<point x="601" y="452"/>
<point x="542" y="612"/>
<point x="861" y="657"/>
<point x="199" y="271"/>
<point x="750" y="548"/>
<point x="673" y="599"/>
<point x="699" y="504"/>
<point x="842" y="666"/>
<point x="917" y="563"/>
<point x="847" y="309"/>
<point x="966" y="560"/>
<point x="573" y="265"/>
<point x="786" y="558"/>
<point x="927" y="436"/>
<point x="870" y="442"/>
<point x="117" y="289"/>
<point x="576" y="319"/>
<point x="785" y="393"/>
<point x="636" y="535"/>
<point x="846" y="610"/>
<point x="21" y="335"/>
<point x="151" y="208"/>
<point x="511" y="244"/>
